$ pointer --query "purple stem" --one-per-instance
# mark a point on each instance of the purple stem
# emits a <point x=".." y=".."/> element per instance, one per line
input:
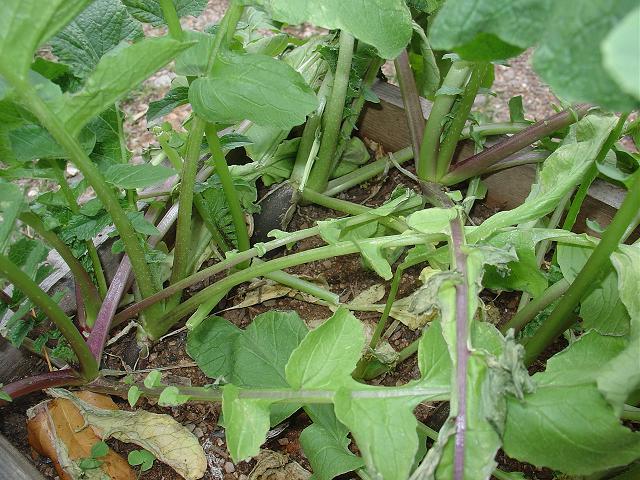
<point x="462" y="349"/>
<point x="120" y="284"/>
<point x="411" y="100"/>
<point x="58" y="378"/>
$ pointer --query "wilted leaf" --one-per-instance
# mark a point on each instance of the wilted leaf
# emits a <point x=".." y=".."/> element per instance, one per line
<point x="161" y="435"/>
<point x="276" y="466"/>
<point x="55" y="429"/>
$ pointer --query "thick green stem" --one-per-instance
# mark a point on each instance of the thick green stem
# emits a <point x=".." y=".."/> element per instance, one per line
<point x="597" y="265"/>
<point x="332" y="120"/>
<point x="72" y="202"/>
<point x="529" y="312"/>
<point x="81" y="278"/>
<point x="171" y="153"/>
<point x="131" y="192"/>
<point x="90" y="172"/>
<point x="367" y="172"/>
<point x="171" y="17"/>
<point x="222" y="169"/>
<point x="310" y="134"/>
<point x="452" y="135"/>
<point x="492" y="129"/>
<point x="411" y="101"/>
<point x="88" y="364"/>
<point x="455" y="80"/>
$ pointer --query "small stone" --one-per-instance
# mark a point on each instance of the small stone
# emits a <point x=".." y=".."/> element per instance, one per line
<point x="229" y="467"/>
<point x="219" y="442"/>
<point x="243" y="477"/>
<point x="283" y="441"/>
<point x="190" y="426"/>
<point x="198" y="432"/>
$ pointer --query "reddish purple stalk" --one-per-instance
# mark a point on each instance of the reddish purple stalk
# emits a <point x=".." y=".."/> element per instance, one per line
<point x="411" y="100"/>
<point x="39" y="382"/>
<point x="462" y="349"/>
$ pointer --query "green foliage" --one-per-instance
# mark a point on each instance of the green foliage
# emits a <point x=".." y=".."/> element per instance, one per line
<point x="98" y="450"/>
<point x="254" y="87"/>
<point x="4" y="395"/>
<point x="173" y="99"/>
<point x="384" y="24"/>
<point x="129" y="176"/>
<point x="144" y="458"/>
<point x="149" y="11"/>
<point x="622" y="55"/>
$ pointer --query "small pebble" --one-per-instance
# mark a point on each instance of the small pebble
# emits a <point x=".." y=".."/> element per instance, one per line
<point x="243" y="477"/>
<point x="229" y="467"/>
<point x="219" y="442"/>
<point x="283" y="441"/>
<point x="190" y="426"/>
<point x="198" y="432"/>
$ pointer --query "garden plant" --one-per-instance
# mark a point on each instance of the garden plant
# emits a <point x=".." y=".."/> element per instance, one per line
<point x="555" y="386"/>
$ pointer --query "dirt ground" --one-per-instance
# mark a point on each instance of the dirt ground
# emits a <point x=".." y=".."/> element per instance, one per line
<point x="346" y="276"/>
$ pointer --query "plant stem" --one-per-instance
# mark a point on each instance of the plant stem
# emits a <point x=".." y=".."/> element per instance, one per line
<point x="452" y="135"/>
<point x="477" y="164"/>
<point x="82" y="279"/>
<point x="492" y="129"/>
<point x="131" y="192"/>
<point x="350" y="208"/>
<point x="320" y="253"/>
<point x="173" y="20"/>
<point x="72" y="202"/>
<point x="170" y="152"/>
<point x="37" y="383"/>
<point x="192" y="155"/>
<point x="367" y="172"/>
<point x="310" y="134"/>
<point x="411" y="101"/>
<point x="459" y="260"/>
<point x="529" y="312"/>
<point x="332" y="119"/>
<point x="592" y="174"/>
<point x="427" y="164"/>
<point x="597" y="265"/>
<point x="90" y="172"/>
<point x="88" y="365"/>
<point x="222" y="169"/>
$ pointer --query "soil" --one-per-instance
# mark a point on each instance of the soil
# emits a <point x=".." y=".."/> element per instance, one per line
<point x="345" y="276"/>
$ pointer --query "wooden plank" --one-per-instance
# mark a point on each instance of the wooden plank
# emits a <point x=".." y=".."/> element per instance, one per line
<point x="386" y="124"/>
<point x="14" y="466"/>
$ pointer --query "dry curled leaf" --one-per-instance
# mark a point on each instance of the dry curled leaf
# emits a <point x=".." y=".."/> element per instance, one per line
<point x="161" y="435"/>
<point x="276" y="466"/>
<point x="55" y="430"/>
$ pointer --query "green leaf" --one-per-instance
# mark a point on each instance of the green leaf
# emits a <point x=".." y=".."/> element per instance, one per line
<point x="149" y="11"/>
<point x="566" y="424"/>
<point x="246" y="423"/>
<point x="26" y="24"/>
<point x="325" y="444"/>
<point x="144" y="458"/>
<point x="467" y="26"/>
<point x="173" y="99"/>
<point x="621" y="53"/>
<point x="601" y="307"/>
<point x="152" y="379"/>
<point x="103" y="87"/>
<point x="194" y="61"/>
<point x="93" y="33"/>
<point x="99" y="449"/>
<point x="211" y="345"/>
<point x="432" y="220"/>
<point x="32" y="142"/>
<point x="328" y="354"/>
<point x="11" y="205"/>
<point x="4" y="395"/>
<point x="384" y="24"/>
<point x="571" y="61"/>
<point x="571" y="429"/>
<point x="171" y="397"/>
<point x="564" y="169"/>
<point x="253" y="87"/>
<point x="133" y="395"/>
<point x="130" y="176"/>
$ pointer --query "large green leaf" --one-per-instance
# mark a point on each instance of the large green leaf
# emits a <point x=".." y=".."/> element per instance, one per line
<point x="26" y="24"/>
<point x="211" y="345"/>
<point x="117" y="72"/>
<point x="466" y="26"/>
<point x="601" y="308"/>
<point x="566" y="424"/>
<point x="621" y="53"/>
<point x="131" y="176"/>
<point x="96" y="31"/>
<point x="564" y="168"/>
<point x="385" y="24"/>
<point x="149" y="11"/>
<point x="569" y="57"/>
<point x="11" y="205"/>
<point x="254" y="87"/>
<point x="32" y="142"/>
